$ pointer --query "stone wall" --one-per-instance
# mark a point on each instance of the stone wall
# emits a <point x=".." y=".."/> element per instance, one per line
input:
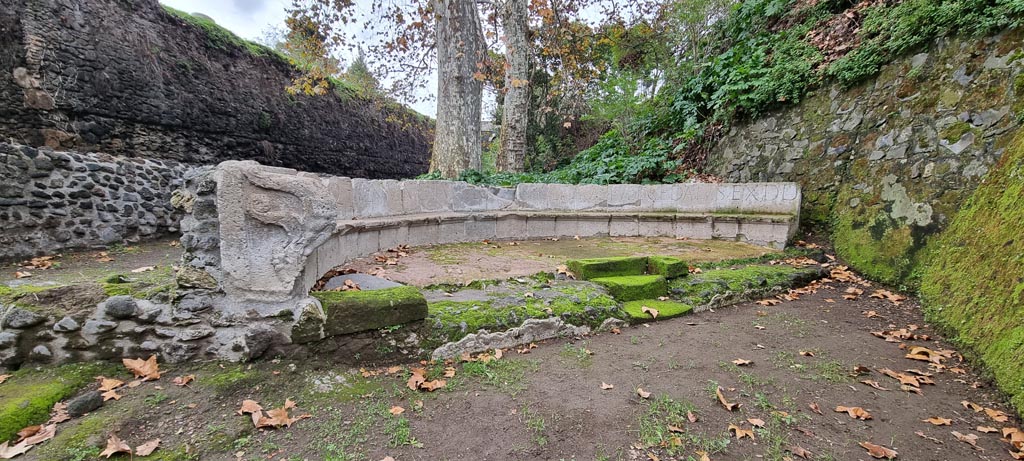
<point x="51" y="200"/>
<point x="887" y="164"/>
<point x="127" y="78"/>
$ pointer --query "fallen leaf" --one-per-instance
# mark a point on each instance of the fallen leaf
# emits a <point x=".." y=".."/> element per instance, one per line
<point x="926" y="437"/>
<point x="854" y="412"/>
<point x="115" y="445"/>
<point x="22" y="274"/>
<point x="769" y="302"/>
<point x="431" y="386"/>
<point x="28" y="432"/>
<point x="807" y="353"/>
<point x="986" y="429"/>
<point x="703" y="456"/>
<point x="874" y="384"/>
<point x="184" y="380"/>
<point x="109" y="384"/>
<point x="725" y="403"/>
<point x="741" y="362"/>
<point x="249" y="406"/>
<point x="605" y="386"/>
<point x="4" y="378"/>
<point x="815" y="408"/>
<point x="59" y="414"/>
<point x="396" y="410"/>
<point x="996" y="415"/>
<point x="1017" y="454"/>
<point x="739" y="432"/>
<point x="146" y="369"/>
<point x="970" y="439"/>
<point x="1015" y="436"/>
<point x="799" y="451"/>
<point x="756" y="422"/>
<point x="675" y="429"/>
<point x="111" y="395"/>
<point x="147" y="448"/>
<point x="878" y="451"/>
<point x="971" y="406"/>
<point x="8" y="452"/>
<point x="647" y="310"/>
<point x="938" y="421"/>
<point x="691" y="417"/>
<point x="143" y="269"/>
<point x="642" y="393"/>
<point x="418" y="378"/>
<point x="279" y="416"/>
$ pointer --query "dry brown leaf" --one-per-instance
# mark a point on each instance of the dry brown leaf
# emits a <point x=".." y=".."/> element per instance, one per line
<point x="184" y="380"/>
<point x="111" y="395"/>
<point x="691" y="417"/>
<point x="807" y="353"/>
<point x="935" y="420"/>
<point x="147" y="448"/>
<point x="703" y="455"/>
<point x="4" y="378"/>
<point x="115" y="445"/>
<point x="741" y="362"/>
<point x="926" y="437"/>
<point x="739" y="432"/>
<point x="250" y="406"/>
<point x="1017" y="454"/>
<point x="147" y="369"/>
<point x="996" y="415"/>
<point x="971" y="406"/>
<point x="854" y="412"/>
<point x="769" y="302"/>
<point x="431" y="386"/>
<point x="449" y="372"/>
<point x="605" y="386"/>
<point x="986" y="429"/>
<point x="59" y="414"/>
<point x="799" y="451"/>
<point x="642" y="393"/>
<point x="924" y="354"/>
<point x="8" y="452"/>
<point x="911" y="389"/>
<point x="874" y="384"/>
<point x="676" y="429"/>
<point x="970" y="439"/>
<point x="109" y="384"/>
<point x="417" y="378"/>
<point x="815" y="408"/>
<point x="28" y="432"/>
<point x="279" y="416"/>
<point x="396" y="410"/>
<point x="22" y="274"/>
<point x="143" y="269"/>
<point x="647" y="310"/>
<point x="756" y="422"/>
<point x="44" y="433"/>
<point x="1014" y="436"/>
<point x="878" y="451"/>
<point x="725" y="403"/>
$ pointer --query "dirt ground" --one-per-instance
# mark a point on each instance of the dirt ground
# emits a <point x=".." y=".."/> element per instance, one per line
<point x="549" y="403"/>
<point x="91" y="265"/>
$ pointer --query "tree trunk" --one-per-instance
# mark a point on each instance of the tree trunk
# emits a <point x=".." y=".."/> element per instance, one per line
<point x="515" y="111"/>
<point x="460" y="46"/>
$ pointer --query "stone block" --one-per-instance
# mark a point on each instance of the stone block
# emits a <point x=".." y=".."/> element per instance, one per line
<point x="781" y="198"/>
<point x="624" y="226"/>
<point x="661" y="197"/>
<point x="592" y="225"/>
<point x="452" y="229"/>
<point x="624" y="196"/>
<point x="481" y="227"/>
<point x="468" y="197"/>
<point x="587" y="269"/>
<point x="589" y="197"/>
<point x="634" y="287"/>
<point x="377" y="197"/>
<point x="341" y="189"/>
<point x="540" y="226"/>
<point x="511" y="226"/>
<point x="423" y="232"/>
<point x="422" y="196"/>
<point x="566" y="226"/>
<point x="545" y="196"/>
<point x="693" y="227"/>
<point x="665" y="309"/>
<point x="763" y="232"/>
<point x="657" y="225"/>
<point x="667" y="266"/>
<point x="354" y="311"/>
<point x="393" y="236"/>
<point x="725" y="227"/>
<point x="367" y="242"/>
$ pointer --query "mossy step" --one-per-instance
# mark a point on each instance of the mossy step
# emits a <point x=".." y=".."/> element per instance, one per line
<point x="666" y="309"/>
<point x="589" y="269"/>
<point x="669" y="267"/>
<point x="361" y="310"/>
<point x="634" y="287"/>
<point x="27" y="397"/>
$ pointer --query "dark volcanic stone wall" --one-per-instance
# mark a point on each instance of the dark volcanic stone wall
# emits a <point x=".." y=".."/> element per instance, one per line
<point x="126" y="78"/>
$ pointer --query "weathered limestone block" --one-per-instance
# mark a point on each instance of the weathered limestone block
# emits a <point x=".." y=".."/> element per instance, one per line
<point x="270" y="222"/>
<point x="375" y="198"/>
<point x="427" y="196"/>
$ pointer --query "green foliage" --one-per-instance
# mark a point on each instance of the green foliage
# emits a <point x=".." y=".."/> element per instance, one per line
<point x="971" y="282"/>
<point x="28" y="396"/>
<point x="221" y="38"/>
<point x="666" y="309"/>
<point x="634" y="287"/>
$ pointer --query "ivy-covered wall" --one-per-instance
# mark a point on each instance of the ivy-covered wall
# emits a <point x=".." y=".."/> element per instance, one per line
<point x="887" y="164"/>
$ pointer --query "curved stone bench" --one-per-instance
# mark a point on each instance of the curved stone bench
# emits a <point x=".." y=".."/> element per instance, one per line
<point x="260" y="237"/>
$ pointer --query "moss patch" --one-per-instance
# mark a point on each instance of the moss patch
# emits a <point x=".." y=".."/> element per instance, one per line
<point x="27" y="397"/>
<point x="666" y="309"/>
<point x="972" y="281"/>
<point x="736" y="284"/>
<point x="634" y="287"/>
<point x="588" y="269"/>
<point x="362" y="310"/>
<point x="577" y="303"/>
<point x="667" y="266"/>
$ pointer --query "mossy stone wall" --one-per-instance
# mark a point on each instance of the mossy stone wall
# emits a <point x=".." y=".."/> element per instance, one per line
<point x="972" y="281"/>
<point x="886" y="165"/>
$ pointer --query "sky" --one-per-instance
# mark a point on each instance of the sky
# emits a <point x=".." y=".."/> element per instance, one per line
<point x="250" y="19"/>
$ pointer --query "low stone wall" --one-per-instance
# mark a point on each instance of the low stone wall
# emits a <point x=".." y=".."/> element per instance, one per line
<point x="257" y="238"/>
<point x="52" y="200"/>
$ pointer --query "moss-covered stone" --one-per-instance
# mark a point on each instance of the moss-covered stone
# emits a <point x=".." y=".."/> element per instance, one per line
<point x="715" y="287"/>
<point x="588" y="269"/>
<point x="971" y="281"/>
<point x="634" y="287"/>
<point x="361" y="310"/>
<point x="27" y="397"/>
<point x="666" y="309"/>
<point x="667" y="266"/>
